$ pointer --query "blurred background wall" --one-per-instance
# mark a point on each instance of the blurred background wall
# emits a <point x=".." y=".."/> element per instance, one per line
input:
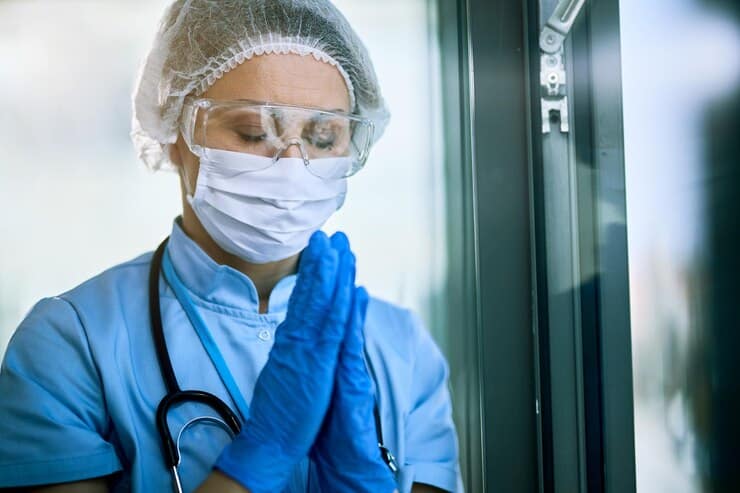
<point x="681" y="80"/>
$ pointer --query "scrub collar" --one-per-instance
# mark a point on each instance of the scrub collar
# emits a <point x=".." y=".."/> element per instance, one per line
<point x="220" y="284"/>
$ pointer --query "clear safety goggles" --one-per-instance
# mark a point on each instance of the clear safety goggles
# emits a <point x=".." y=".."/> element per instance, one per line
<point x="271" y="129"/>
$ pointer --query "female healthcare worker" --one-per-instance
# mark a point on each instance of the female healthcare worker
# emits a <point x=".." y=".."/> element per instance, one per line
<point x="240" y="356"/>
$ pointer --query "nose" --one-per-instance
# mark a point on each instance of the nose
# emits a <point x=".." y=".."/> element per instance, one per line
<point x="293" y="149"/>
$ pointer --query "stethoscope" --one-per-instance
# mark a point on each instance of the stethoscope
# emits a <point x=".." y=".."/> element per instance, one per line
<point x="228" y="420"/>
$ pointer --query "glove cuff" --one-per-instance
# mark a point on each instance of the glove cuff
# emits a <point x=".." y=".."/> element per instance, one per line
<point x="258" y="467"/>
<point x="330" y="480"/>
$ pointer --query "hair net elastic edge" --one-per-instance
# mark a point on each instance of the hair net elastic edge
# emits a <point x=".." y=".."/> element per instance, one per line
<point x="153" y="152"/>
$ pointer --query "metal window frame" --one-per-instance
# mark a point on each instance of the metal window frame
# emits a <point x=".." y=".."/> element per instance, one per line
<point x="490" y="280"/>
<point x="587" y="430"/>
<point x="462" y="301"/>
<point x="602" y="202"/>
<point x="541" y="375"/>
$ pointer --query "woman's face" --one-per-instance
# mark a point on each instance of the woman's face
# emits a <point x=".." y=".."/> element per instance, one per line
<point x="277" y="78"/>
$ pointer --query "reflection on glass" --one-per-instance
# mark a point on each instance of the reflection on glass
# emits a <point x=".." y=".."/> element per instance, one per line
<point x="681" y="79"/>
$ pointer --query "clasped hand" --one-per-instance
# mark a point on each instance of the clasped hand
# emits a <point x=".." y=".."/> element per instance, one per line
<point x="314" y="396"/>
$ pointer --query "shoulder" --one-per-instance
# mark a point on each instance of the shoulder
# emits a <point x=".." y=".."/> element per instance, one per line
<point x="110" y="295"/>
<point x="98" y="302"/>
<point x="108" y="284"/>
<point x="389" y="318"/>
<point x="399" y="333"/>
<point x="391" y="327"/>
<point x="112" y="281"/>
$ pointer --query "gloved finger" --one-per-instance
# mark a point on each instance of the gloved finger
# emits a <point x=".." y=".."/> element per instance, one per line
<point x="341" y="305"/>
<point x="353" y="377"/>
<point x="317" y="267"/>
<point x="343" y="295"/>
<point x="311" y="300"/>
<point x="323" y="285"/>
<point x="339" y="241"/>
<point x="354" y="342"/>
<point x="317" y="245"/>
<point x="308" y="264"/>
<point x="314" y="270"/>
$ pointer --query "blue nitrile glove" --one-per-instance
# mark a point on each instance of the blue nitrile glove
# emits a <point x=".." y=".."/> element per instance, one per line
<point x="346" y="451"/>
<point x="293" y="391"/>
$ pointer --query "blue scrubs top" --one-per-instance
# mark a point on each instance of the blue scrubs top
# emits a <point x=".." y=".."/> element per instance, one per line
<point x="80" y="383"/>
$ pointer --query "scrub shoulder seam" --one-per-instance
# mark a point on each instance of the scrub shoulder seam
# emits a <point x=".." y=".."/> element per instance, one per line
<point x="137" y="263"/>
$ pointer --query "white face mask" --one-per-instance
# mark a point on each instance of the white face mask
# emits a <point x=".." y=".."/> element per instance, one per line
<point x="267" y="215"/>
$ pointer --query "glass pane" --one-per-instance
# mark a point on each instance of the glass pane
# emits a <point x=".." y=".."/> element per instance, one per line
<point x="681" y="79"/>
<point x="75" y="199"/>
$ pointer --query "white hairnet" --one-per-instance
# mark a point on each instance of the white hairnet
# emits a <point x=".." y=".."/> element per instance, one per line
<point x="200" y="40"/>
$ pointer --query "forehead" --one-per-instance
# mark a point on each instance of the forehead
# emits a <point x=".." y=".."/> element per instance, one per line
<point x="287" y="79"/>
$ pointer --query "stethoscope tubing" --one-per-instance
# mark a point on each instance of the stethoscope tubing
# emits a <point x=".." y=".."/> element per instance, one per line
<point x="175" y="395"/>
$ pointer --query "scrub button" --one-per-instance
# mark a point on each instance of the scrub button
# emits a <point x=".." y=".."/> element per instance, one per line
<point x="265" y="335"/>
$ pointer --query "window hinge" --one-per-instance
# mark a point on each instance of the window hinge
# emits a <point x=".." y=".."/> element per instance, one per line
<point x="554" y="98"/>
